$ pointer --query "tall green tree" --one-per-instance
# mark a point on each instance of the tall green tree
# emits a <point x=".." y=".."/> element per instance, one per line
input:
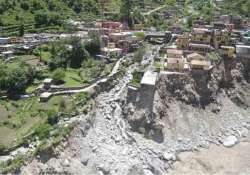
<point x="78" y="53"/>
<point x="126" y="12"/>
<point x="94" y="45"/>
<point x="21" y="30"/>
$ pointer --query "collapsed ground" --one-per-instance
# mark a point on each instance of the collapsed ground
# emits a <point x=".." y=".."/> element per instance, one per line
<point x="190" y="116"/>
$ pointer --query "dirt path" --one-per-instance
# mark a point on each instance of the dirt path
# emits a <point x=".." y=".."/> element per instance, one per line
<point x="155" y="10"/>
<point x="217" y="160"/>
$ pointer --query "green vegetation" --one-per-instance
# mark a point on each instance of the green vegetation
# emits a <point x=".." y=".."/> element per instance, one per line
<point x="139" y="35"/>
<point x="22" y="119"/>
<point x="58" y="134"/>
<point x="58" y="75"/>
<point x="138" y="55"/>
<point x="213" y="56"/>
<point x="239" y="7"/>
<point x="157" y="66"/>
<point x="15" y="77"/>
<point x="11" y="165"/>
<point x="137" y="76"/>
<point x="18" y="17"/>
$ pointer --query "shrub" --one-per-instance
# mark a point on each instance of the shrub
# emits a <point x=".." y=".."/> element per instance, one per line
<point x="139" y="35"/>
<point x="58" y="75"/>
<point x="42" y="132"/>
<point x="2" y="148"/>
<point x="52" y="117"/>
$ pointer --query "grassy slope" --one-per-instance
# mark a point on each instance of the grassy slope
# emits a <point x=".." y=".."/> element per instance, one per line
<point x="19" y="117"/>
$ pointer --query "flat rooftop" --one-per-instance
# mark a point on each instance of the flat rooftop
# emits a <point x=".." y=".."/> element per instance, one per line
<point x="243" y="46"/>
<point x="149" y="78"/>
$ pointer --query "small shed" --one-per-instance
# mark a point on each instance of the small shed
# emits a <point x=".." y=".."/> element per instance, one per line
<point x="47" y="83"/>
<point x="44" y="97"/>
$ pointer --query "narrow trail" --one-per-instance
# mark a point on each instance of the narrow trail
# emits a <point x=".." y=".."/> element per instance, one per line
<point x="155" y="10"/>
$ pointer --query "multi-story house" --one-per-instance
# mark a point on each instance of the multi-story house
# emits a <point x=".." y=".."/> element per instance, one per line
<point x="201" y="36"/>
<point x="182" y="41"/>
<point x="220" y="37"/>
<point x="227" y="51"/>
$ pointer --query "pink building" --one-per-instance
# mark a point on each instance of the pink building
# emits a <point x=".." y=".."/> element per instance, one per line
<point x="112" y="25"/>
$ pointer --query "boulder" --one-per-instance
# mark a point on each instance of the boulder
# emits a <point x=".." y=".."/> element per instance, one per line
<point x="169" y="156"/>
<point x="230" y="141"/>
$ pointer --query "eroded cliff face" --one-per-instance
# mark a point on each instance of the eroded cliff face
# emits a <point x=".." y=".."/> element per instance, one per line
<point x="198" y="107"/>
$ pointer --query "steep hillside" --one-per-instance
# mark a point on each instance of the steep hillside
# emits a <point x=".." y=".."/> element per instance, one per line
<point x="43" y="14"/>
<point x="17" y="12"/>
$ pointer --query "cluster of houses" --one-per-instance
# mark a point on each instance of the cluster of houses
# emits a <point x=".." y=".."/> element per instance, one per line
<point x="11" y="46"/>
<point x="191" y="50"/>
<point x="115" y="39"/>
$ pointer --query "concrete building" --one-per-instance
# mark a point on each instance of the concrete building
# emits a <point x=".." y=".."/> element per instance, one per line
<point x="47" y="83"/>
<point x="174" y="53"/>
<point x="116" y="37"/>
<point x="201" y="36"/>
<point x="243" y="51"/>
<point x="195" y="56"/>
<point x="182" y="41"/>
<point x="7" y="55"/>
<point x="147" y="90"/>
<point x="4" y="40"/>
<point x="44" y="97"/>
<point x="164" y="36"/>
<point x="16" y="40"/>
<point x="109" y="25"/>
<point x="6" y="47"/>
<point x="220" y="37"/>
<point x="174" y="64"/>
<point x="200" y="48"/>
<point x="200" y="64"/>
<point x="111" y="52"/>
<point x="227" y="51"/>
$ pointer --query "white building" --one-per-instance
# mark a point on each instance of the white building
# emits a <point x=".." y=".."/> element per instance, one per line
<point x="243" y="51"/>
<point x="4" y="40"/>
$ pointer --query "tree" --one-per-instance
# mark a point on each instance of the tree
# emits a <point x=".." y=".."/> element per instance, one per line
<point x="190" y="21"/>
<point x="52" y="117"/>
<point x="78" y="53"/>
<point x="25" y="6"/>
<point x="21" y="30"/>
<point x="62" y="105"/>
<point x="41" y="18"/>
<point x="58" y="75"/>
<point x="13" y="79"/>
<point x="137" y="17"/>
<point x="60" y="53"/>
<point x="94" y="45"/>
<point x="138" y="56"/>
<point x="126" y="12"/>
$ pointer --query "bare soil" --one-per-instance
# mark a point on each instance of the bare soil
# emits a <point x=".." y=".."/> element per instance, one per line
<point x="217" y="160"/>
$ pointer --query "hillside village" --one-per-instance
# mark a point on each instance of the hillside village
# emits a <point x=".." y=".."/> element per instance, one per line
<point x="62" y="78"/>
